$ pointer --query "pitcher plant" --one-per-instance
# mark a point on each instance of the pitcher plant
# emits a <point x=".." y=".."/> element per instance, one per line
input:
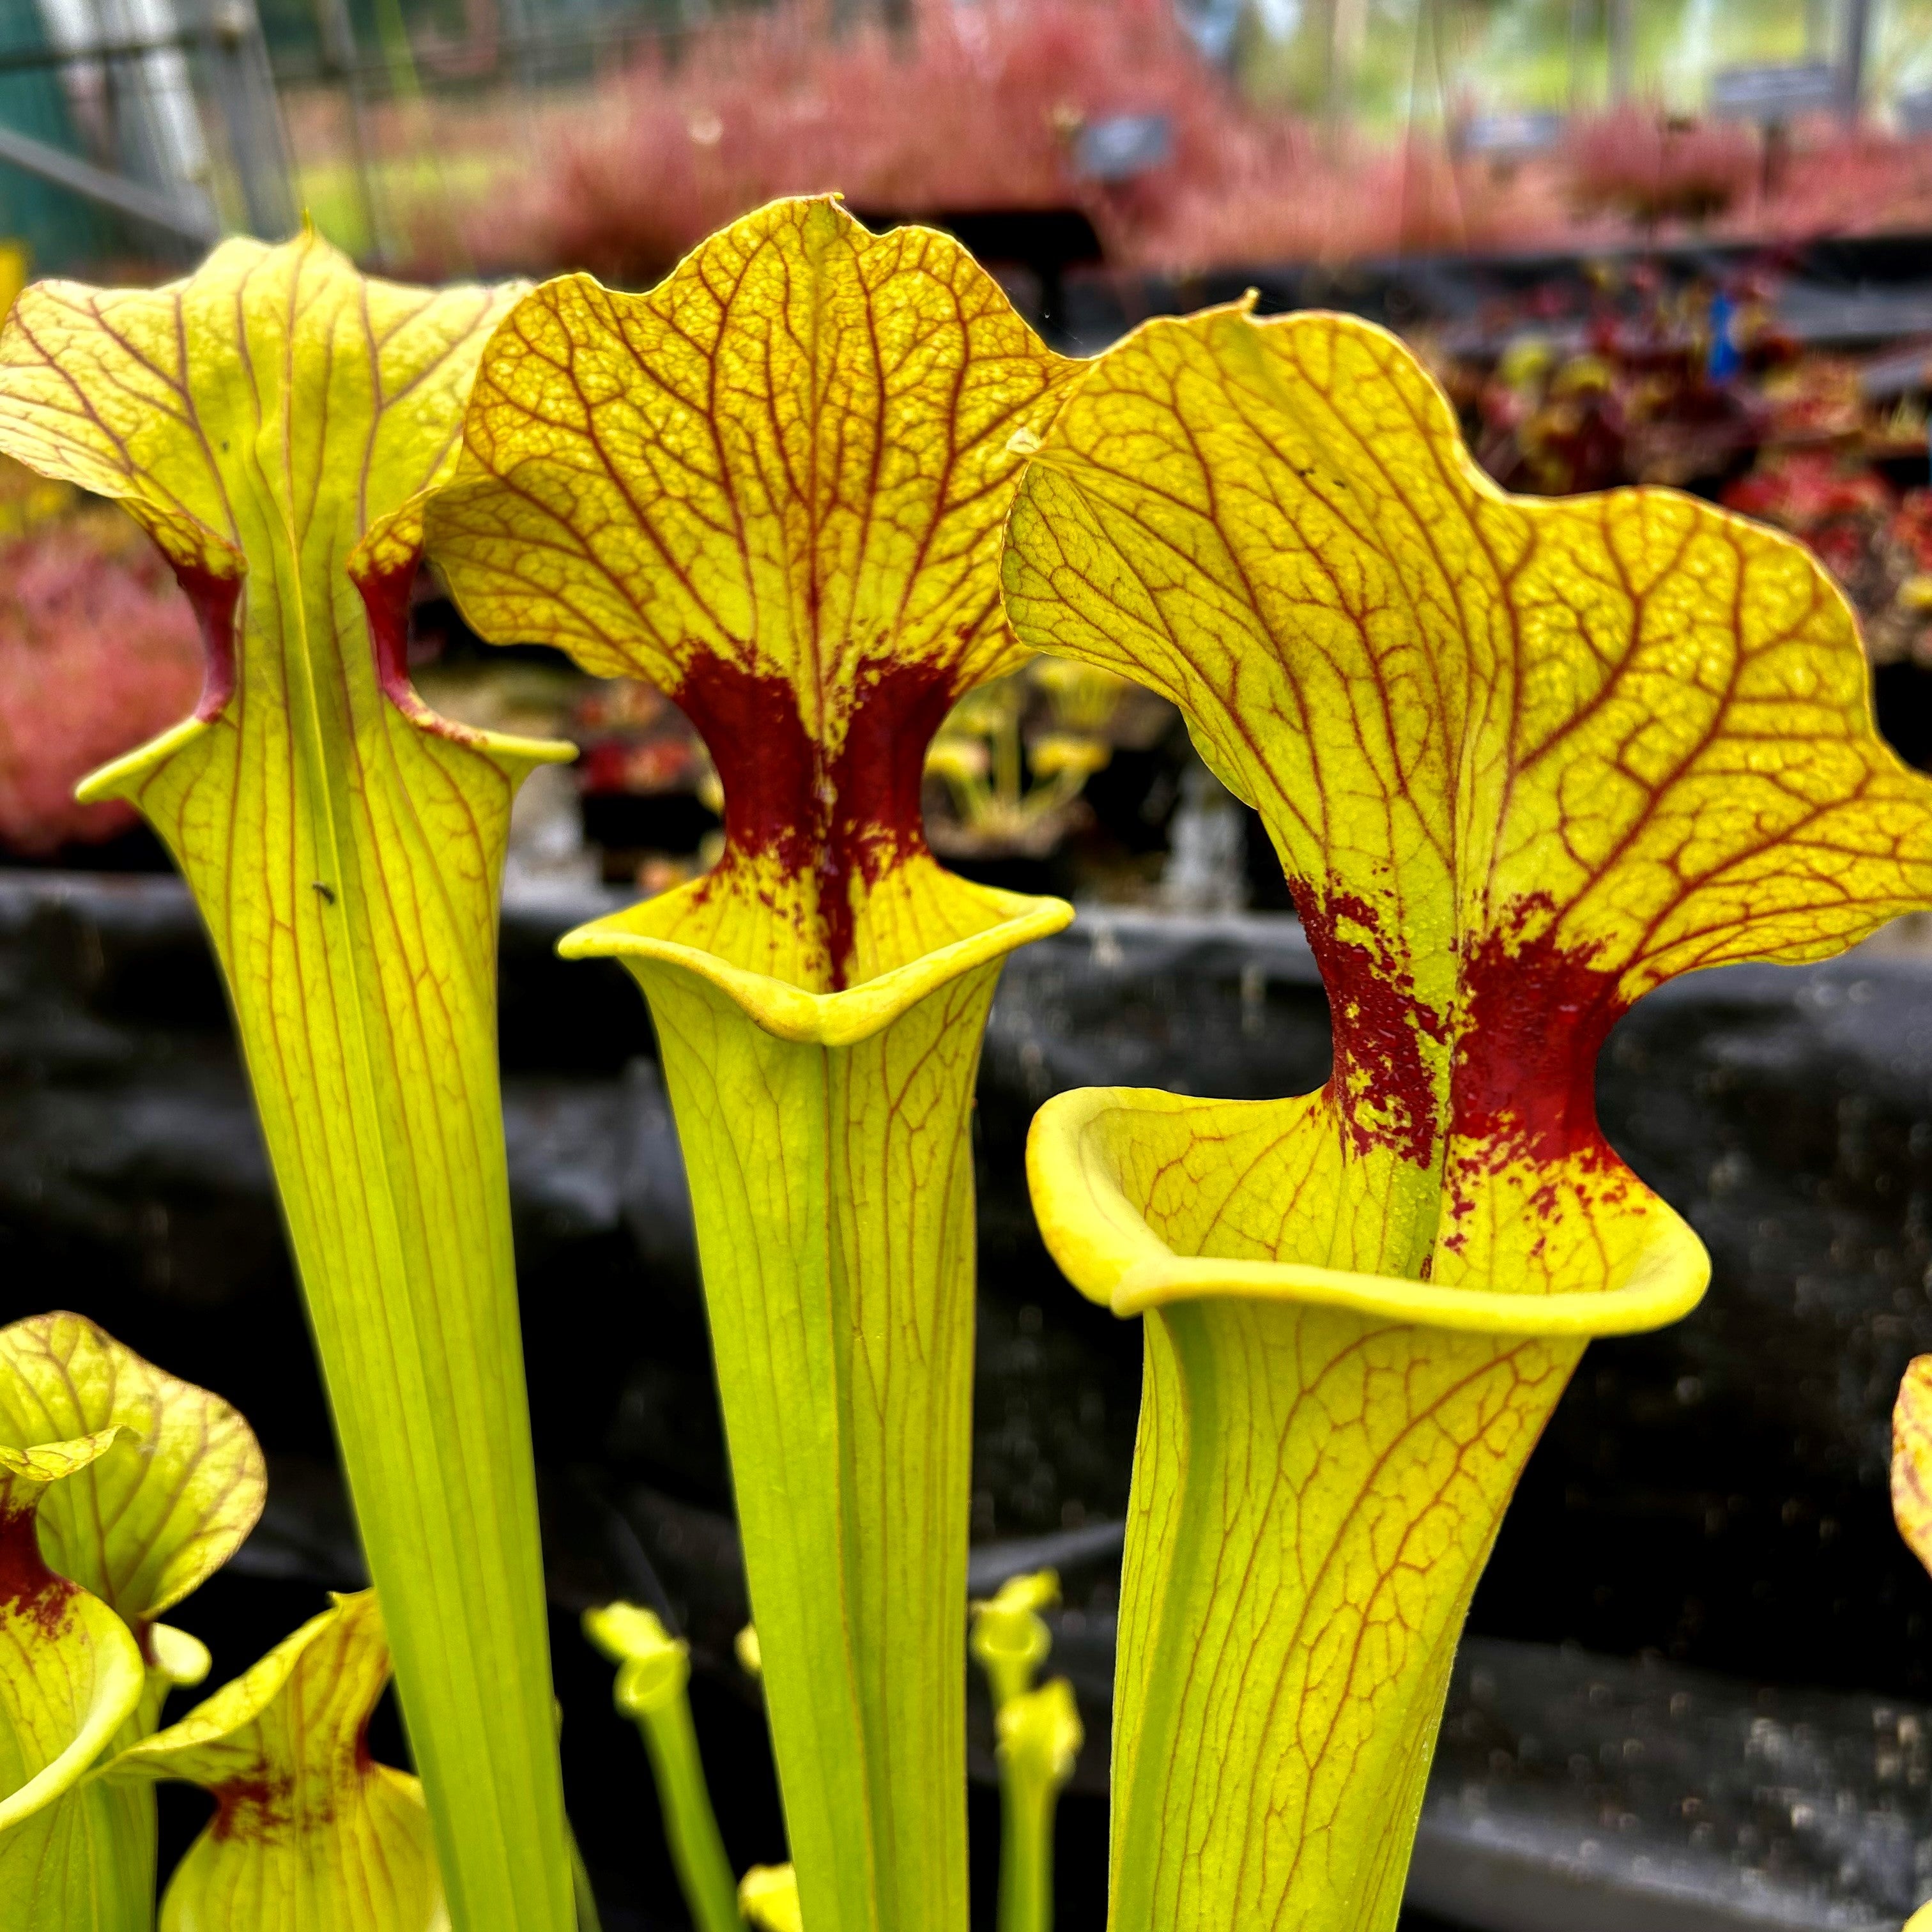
<point x="774" y="486"/>
<point x="345" y="847"/>
<point x="1522" y="761"/>
<point x="126" y="1488"/>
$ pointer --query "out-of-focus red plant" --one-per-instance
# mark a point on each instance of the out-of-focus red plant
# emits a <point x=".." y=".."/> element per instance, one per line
<point x="634" y="739"/>
<point x="1850" y="183"/>
<point x="1637" y="405"/>
<point x="99" y="651"/>
<point x="1912" y="529"/>
<point x="1650" y="167"/>
<point x="968" y="109"/>
<point x="980" y="107"/>
<point x="1651" y="170"/>
<point x="1811" y="493"/>
<point x="1877" y="545"/>
<point x="1276" y="197"/>
<point x="1816" y="397"/>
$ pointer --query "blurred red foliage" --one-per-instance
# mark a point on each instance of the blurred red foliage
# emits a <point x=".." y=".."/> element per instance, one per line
<point x="1863" y="183"/>
<point x="979" y="107"/>
<point x="971" y="108"/>
<point x="1650" y="167"/>
<point x="1809" y="491"/>
<point x="1629" y="398"/>
<point x="99" y="651"/>
<point x="634" y="739"/>
<point x="1877" y="545"/>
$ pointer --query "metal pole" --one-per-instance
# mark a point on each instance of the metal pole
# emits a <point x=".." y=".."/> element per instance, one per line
<point x="245" y="92"/>
<point x="343" y="60"/>
<point x="1622" y="36"/>
<point x="153" y="205"/>
<point x="1852" y="59"/>
<point x="125" y="63"/>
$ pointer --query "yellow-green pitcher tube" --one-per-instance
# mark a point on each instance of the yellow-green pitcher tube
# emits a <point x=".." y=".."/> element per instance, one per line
<point x="1323" y="1460"/>
<point x="268" y="422"/>
<point x="1240" y="1696"/>
<point x="827" y="1142"/>
<point x="773" y="486"/>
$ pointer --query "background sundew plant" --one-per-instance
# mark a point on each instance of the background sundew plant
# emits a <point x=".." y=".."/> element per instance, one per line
<point x="1522" y="761"/>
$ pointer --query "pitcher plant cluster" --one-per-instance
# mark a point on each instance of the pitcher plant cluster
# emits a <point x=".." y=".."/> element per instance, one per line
<point x="1521" y="761"/>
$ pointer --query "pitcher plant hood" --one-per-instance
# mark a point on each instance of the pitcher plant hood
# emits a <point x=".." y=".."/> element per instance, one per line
<point x="1521" y="761"/>
<point x="70" y="1678"/>
<point x="269" y="421"/>
<point x="1911" y="1458"/>
<point x="308" y="1830"/>
<point x="775" y="486"/>
<point x="172" y="1484"/>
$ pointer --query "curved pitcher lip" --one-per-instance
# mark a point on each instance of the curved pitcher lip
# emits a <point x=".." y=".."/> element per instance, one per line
<point x="1104" y="1246"/>
<point x="788" y="1011"/>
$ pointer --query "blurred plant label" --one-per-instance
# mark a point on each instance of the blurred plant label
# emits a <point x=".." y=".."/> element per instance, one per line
<point x="1774" y="93"/>
<point x="1503" y="134"/>
<point x="1122" y="145"/>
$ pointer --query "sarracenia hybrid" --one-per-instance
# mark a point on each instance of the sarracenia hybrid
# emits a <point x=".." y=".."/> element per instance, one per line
<point x="261" y="420"/>
<point x="775" y="486"/>
<point x="1522" y="761"/>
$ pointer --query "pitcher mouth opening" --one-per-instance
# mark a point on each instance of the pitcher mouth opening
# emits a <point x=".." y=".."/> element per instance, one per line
<point x="1665" y="1280"/>
<point x="644" y="937"/>
<point x="1102" y="1241"/>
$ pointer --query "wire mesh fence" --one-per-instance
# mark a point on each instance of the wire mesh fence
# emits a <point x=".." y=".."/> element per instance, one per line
<point x="141" y="129"/>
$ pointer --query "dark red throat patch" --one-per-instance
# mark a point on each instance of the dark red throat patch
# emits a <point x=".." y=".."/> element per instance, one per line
<point x="1521" y="1082"/>
<point x="849" y="816"/>
<point x="250" y="1807"/>
<point x="1535" y="1016"/>
<point x="1381" y="1029"/>
<point x="215" y="600"/>
<point x="28" y="1587"/>
<point x="385" y="599"/>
